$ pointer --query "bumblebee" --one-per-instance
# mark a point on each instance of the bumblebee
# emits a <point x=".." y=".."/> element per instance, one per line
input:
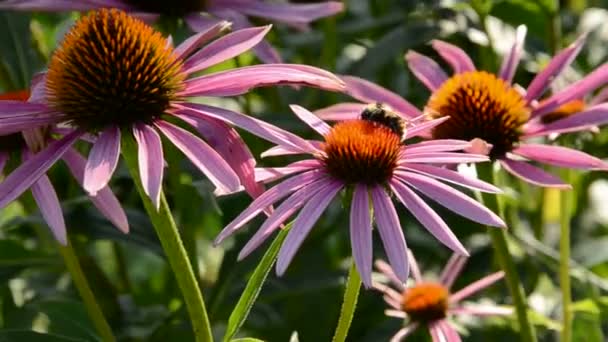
<point x="383" y="115"/>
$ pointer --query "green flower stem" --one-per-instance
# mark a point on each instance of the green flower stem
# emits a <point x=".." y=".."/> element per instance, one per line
<point x="564" y="262"/>
<point x="82" y="285"/>
<point x="167" y="231"/>
<point x="351" y="294"/>
<point x="501" y="249"/>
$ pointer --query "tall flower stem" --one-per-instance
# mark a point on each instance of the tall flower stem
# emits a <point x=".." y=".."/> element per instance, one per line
<point x="82" y="285"/>
<point x="501" y="249"/>
<point x="167" y="231"/>
<point x="351" y="295"/>
<point x="564" y="262"/>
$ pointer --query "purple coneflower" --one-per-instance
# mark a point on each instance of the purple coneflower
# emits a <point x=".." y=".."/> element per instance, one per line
<point x="23" y="144"/>
<point x="366" y="155"/>
<point x="201" y="14"/>
<point x="430" y="303"/>
<point x="495" y="113"/>
<point x="115" y="75"/>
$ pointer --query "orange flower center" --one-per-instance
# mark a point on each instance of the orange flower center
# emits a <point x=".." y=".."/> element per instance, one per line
<point x="479" y="105"/>
<point x="425" y="302"/>
<point x="112" y="69"/>
<point x="563" y="111"/>
<point x="361" y="151"/>
<point x="175" y="7"/>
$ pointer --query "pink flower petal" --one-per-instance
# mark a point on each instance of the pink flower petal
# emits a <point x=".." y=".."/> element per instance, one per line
<point x="414" y="268"/>
<point x="577" y="90"/>
<point x="404" y="332"/>
<point x="429" y="219"/>
<point x="440" y="145"/>
<point x="61" y="5"/>
<point x="533" y="174"/>
<point x="452" y="270"/>
<point x="200" y="22"/>
<point x="102" y="160"/>
<point x="390" y="232"/>
<point x="311" y="120"/>
<point x="476" y="287"/>
<point x="151" y="161"/>
<point x="443" y="158"/>
<point x="33" y="168"/>
<point x="453" y="177"/>
<point x="559" y="63"/>
<point x="202" y="156"/>
<point x="188" y="46"/>
<point x="3" y="159"/>
<point x="283" y="12"/>
<point x="361" y="233"/>
<point x="241" y="80"/>
<point x="592" y="116"/>
<point x="224" y="48"/>
<point x="10" y="125"/>
<point x="368" y="92"/>
<point x="304" y="222"/>
<point x="105" y="200"/>
<point x="426" y="70"/>
<point x="292" y="204"/>
<point x="48" y="203"/>
<point x="265" y="200"/>
<point x="341" y="112"/>
<point x="559" y="156"/>
<point x="255" y="126"/>
<point x="512" y="58"/>
<point x="270" y="174"/>
<point x="450" y="334"/>
<point x="455" y="56"/>
<point x="452" y="199"/>
<point x="482" y="310"/>
<point x="424" y="127"/>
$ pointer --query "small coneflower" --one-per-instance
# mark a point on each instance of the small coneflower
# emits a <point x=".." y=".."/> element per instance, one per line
<point x="201" y="14"/>
<point x="23" y="144"/>
<point x="115" y="75"/>
<point x="366" y="155"/>
<point x="431" y="304"/>
<point x="489" y="108"/>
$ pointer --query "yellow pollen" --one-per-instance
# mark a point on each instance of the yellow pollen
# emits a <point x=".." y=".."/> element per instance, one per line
<point x="361" y="151"/>
<point x="425" y="302"/>
<point x="480" y="105"/>
<point x="112" y="69"/>
<point x="564" y="110"/>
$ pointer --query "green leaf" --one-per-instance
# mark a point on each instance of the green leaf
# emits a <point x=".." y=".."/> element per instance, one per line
<point x="351" y="295"/>
<point x="254" y="286"/>
<point x="32" y="336"/>
<point x="587" y="324"/>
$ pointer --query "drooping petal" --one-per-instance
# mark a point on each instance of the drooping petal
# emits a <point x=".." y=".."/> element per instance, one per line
<point x="361" y="233"/>
<point x="105" y="200"/>
<point x="102" y="160"/>
<point x="512" y="58"/>
<point x="224" y="48"/>
<point x="482" y="310"/>
<point x="150" y="160"/>
<point x="311" y="120"/>
<point x="228" y="143"/>
<point x="414" y="268"/>
<point x="452" y="270"/>
<point x="368" y="92"/>
<point x="21" y="122"/>
<point x="241" y="80"/>
<point x="429" y="219"/>
<point x="304" y="222"/>
<point x="272" y="195"/>
<point x="452" y="199"/>
<point x="442" y="145"/>
<point x="576" y="90"/>
<point x="455" y="56"/>
<point x="292" y="204"/>
<point x="559" y="63"/>
<point x="424" y="127"/>
<point x="443" y="158"/>
<point x="61" y="5"/>
<point x="200" y="22"/>
<point x="202" y="156"/>
<point x="287" y="13"/>
<point x="533" y="174"/>
<point x="404" y="332"/>
<point x="33" y="168"/>
<point x="188" y="46"/>
<point x="453" y="177"/>
<point x="270" y="174"/>
<point x="592" y="116"/>
<point x="255" y="126"/>
<point x="390" y="232"/>
<point x="48" y="203"/>
<point x="559" y="156"/>
<point x="387" y="270"/>
<point x="436" y="331"/>
<point x="280" y="151"/>
<point x="426" y="70"/>
<point x="476" y="287"/>
<point x="450" y="334"/>
<point x="341" y="111"/>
